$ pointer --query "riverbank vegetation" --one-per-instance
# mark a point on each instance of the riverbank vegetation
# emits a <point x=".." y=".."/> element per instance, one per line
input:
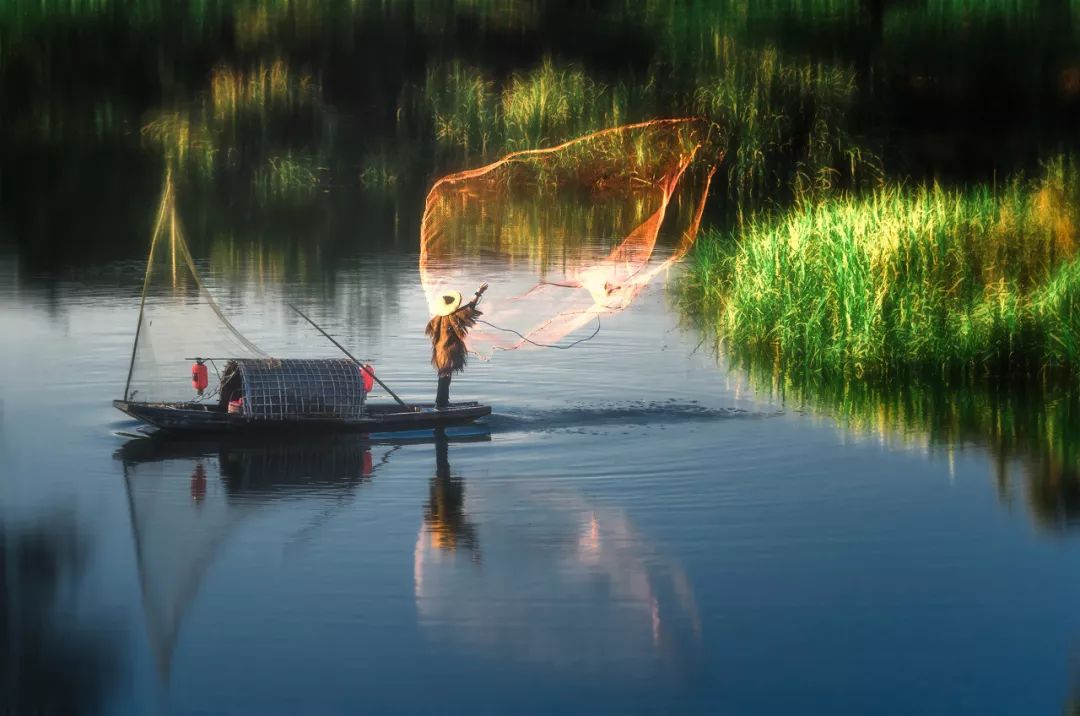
<point x="808" y="90"/>
<point x="829" y="114"/>
<point x="979" y="280"/>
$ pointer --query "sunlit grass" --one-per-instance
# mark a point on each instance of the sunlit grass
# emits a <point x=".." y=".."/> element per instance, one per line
<point x="242" y="123"/>
<point x="975" y="281"/>
<point x="471" y="113"/>
<point x="288" y="178"/>
<point x="463" y="107"/>
<point x="265" y="88"/>
<point x="786" y="122"/>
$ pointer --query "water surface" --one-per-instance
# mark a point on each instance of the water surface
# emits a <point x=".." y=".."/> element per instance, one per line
<point x="634" y="529"/>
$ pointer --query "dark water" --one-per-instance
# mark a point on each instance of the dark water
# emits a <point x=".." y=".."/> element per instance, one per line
<point x="634" y="529"/>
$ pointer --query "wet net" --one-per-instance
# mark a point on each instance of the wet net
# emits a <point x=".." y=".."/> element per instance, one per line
<point x="570" y="233"/>
<point x="178" y="320"/>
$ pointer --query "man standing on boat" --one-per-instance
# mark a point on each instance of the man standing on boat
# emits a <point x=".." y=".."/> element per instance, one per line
<point x="447" y="330"/>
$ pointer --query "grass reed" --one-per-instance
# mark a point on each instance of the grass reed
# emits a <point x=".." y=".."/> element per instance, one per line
<point x="927" y="278"/>
<point x="783" y="121"/>
<point x="472" y="114"/>
<point x="244" y="122"/>
<point x="786" y="122"/>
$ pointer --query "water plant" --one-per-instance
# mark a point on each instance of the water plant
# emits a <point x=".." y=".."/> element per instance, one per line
<point x="787" y="125"/>
<point x="552" y="104"/>
<point x="469" y="112"/>
<point x="243" y="123"/>
<point x="288" y="178"/>
<point x="462" y="105"/>
<point x="981" y="280"/>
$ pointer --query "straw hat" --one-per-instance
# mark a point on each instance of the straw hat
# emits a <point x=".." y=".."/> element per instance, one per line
<point x="448" y="303"/>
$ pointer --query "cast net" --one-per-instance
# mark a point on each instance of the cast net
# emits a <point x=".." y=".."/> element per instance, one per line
<point x="178" y="320"/>
<point x="566" y="234"/>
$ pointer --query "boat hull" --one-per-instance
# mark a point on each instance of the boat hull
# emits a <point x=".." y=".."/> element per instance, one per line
<point x="201" y="418"/>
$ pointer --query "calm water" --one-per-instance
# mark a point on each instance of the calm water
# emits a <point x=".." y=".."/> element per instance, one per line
<point x="634" y="530"/>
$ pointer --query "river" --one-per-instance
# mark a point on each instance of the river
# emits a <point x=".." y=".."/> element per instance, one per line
<point x="634" y="529"/>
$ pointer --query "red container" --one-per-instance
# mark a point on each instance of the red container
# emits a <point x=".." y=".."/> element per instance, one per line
<point x="368" y="373"/>
<point x="199" y="377"/>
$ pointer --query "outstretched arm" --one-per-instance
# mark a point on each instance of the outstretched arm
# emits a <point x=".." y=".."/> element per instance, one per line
<point x="478" y="295"/>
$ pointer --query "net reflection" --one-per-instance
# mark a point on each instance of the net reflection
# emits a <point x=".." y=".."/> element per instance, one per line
<point x="562" y="583"/>
<point x="186" y="497"/>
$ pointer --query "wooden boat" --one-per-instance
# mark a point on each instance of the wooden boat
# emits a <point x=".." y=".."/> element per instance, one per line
<point x="296" y="395"/>
<point x="257" y="393"/>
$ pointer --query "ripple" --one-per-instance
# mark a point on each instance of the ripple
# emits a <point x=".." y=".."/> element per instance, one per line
<point x="636" y="413"/>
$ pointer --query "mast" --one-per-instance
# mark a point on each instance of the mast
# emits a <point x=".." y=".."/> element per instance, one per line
<point x="166" y="201"/>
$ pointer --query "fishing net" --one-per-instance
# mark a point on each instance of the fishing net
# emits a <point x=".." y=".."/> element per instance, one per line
<point x="567" y="234"/>
<point x="178" y="320"/>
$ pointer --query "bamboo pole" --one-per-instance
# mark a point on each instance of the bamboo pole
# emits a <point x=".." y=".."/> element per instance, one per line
<point x="166" y="200"/>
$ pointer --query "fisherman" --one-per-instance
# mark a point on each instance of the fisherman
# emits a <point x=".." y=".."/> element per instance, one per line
<point x="447" y="330"/>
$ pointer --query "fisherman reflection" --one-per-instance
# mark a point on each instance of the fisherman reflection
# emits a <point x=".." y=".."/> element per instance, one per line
<point x="583" y="563"/>
<point x="444" y="514"/>
<point x="198" y="483"/>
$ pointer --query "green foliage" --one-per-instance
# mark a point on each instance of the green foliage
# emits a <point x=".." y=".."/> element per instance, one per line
<point x="462" y="104"/>
<point x="785" y="122"/>
<point x="243" y="123"/>
<point x="472" y="114"/>
<point x="930" y="278"/>
<point x="287" y="178"/>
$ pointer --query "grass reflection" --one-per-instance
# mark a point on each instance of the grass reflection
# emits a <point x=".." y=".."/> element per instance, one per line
<point x="1031" y="429"/>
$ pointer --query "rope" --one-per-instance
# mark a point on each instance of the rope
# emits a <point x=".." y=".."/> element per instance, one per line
<point x="543" y="345"/>
<point x="186" y="255"/>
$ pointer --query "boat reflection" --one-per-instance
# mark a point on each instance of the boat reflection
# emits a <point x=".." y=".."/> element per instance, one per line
<point x="536" y="573"/>
<point x="187" y="496"/>
<point x="562" y="583"/>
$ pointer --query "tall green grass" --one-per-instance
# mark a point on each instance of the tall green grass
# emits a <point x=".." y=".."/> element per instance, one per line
<point x="244" y="123"/>
<point x="288" y="179"/>
<point x="787" y="124"/>
<point x="782" y="123"/>
<point x="980" y="280"/>
<point x="472" y="114"/>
